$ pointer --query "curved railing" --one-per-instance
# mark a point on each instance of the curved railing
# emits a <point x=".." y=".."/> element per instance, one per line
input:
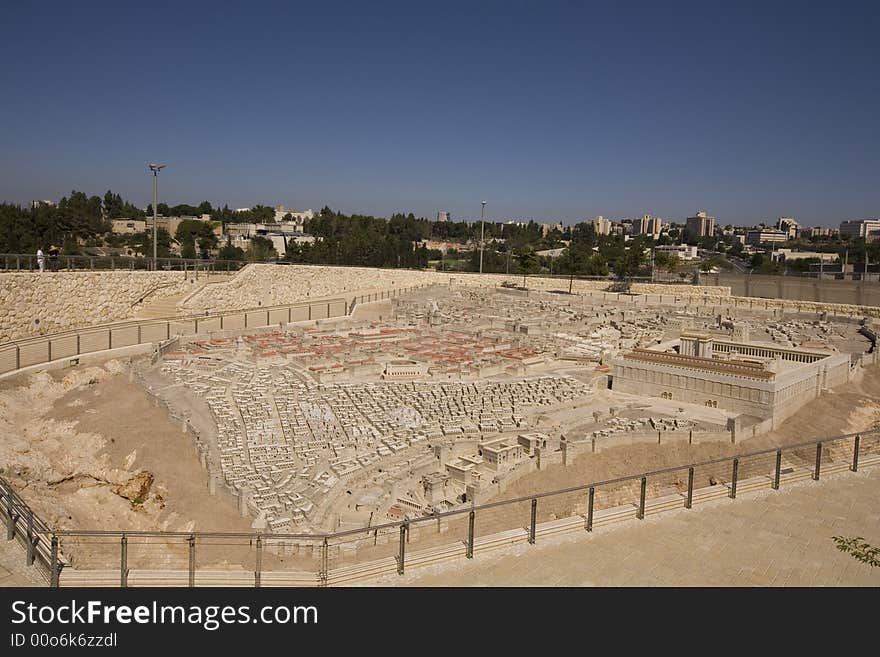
<point x="348" y="556"/>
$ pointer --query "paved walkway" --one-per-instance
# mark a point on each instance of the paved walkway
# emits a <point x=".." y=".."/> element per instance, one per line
<point x="767" y="539"/>
<point x="13" y="571"/>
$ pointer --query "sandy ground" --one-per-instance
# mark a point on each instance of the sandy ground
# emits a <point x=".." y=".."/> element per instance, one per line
<point x="86" y="449"/>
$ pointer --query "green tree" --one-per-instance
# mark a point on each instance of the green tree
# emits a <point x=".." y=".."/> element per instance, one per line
<point x="229" y="252"/>
<point x="630" y="262"/>
<point x="261" y="249"/>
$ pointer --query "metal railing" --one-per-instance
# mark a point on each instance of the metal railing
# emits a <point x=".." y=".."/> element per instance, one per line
<point x="183" y="558"/>
<point x="28" y="262"/>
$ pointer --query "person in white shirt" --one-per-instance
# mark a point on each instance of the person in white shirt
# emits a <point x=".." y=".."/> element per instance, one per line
<point x="40" y="259"/>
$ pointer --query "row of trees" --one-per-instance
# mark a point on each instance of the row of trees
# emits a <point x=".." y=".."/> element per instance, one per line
<point x="75" y="217"/>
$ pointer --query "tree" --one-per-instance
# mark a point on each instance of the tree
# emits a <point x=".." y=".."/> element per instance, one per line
<point x="229" y="252"/>
<point x="261" y="249"/>
<point x="113" y="206"/>
<point x="631" y="262"/>
<point x="661" y="260"/>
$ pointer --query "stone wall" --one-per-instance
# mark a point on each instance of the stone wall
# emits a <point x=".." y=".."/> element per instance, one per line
<point x="797" y="288"/>
<point x="270" y="285"/>
<point x="36" y="304"/>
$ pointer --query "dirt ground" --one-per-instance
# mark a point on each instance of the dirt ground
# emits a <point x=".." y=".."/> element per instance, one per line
<point x="86" y="449"/>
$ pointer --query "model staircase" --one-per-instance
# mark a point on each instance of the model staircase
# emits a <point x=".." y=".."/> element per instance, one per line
<point x="161" y="307"/>
<point x="165" y="306"/>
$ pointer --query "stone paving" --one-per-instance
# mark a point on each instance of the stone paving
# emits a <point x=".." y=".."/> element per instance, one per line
<point x="13" y="571"/>
<point x="771" y="539"/>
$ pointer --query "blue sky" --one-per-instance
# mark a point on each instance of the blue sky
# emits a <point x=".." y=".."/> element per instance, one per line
<point x="548" y="110"/>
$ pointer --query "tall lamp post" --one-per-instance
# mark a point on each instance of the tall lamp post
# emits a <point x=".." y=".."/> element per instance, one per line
<point x="155" y="168"/>
<point x="482" y="232"/>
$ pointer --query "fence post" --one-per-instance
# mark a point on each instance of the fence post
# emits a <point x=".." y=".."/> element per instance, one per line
<point x="533" y="521"/>
<point x="855" y="461"/>
<point x="641" y="512"/>
<point x="10" y="517"/>
<point x="192" y="561"/>
<point x="30" y="538"/>
<point x="469" y="552"/>
<point x="590" y="500"/>
<point x="818" y="461"/>
<point x="733" y="478"/>
<point x="53" y="563"/>
<point x="778" y="469"/>
<point x="401" y="555"/>
<point x="325" y="561"/>
<point x="258" y="568"/>
<point x="690" y="497"/>
<point x="123" y="561"/>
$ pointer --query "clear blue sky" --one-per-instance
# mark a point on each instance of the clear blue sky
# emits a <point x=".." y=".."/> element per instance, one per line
<point x="548" y="110"/>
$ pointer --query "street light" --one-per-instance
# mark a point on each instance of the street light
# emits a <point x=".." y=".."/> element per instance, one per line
<point x="482" y="231"/>
<point x="155" y="168"/>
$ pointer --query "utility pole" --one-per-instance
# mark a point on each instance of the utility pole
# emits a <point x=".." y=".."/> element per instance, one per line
<point x="482" y="232"/>
<point x="155" y="168"/>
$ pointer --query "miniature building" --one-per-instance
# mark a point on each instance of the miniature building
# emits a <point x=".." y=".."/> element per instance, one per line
<point x="532" y="441"/>
<point x="501" y="454"/>
<point x="404" y="369"/>
<point x="750" y="378"/>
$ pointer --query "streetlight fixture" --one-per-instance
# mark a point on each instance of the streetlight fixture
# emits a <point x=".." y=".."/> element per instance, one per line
<point x="482" y="232"/>
<point x="155" y="168"/>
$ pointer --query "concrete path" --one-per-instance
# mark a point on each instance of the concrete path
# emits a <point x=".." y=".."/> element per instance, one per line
<point x="770" y="539"/>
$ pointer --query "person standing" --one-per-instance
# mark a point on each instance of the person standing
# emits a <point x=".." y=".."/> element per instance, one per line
<point x="40" y="258"/>
<point x="53" y="257"/>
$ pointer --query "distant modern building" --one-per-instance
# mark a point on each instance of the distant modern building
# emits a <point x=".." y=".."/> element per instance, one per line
<point x="648" y="225"/>
<point x="788" y="225"/>
<point x="295" y="215"/>
<point x="38" y="203"/>
<point x="442" y="216"/>
<point x="546" y="229"/>
<point x="123" y="226"/>
<point x="700" y="225"/>
<point x="286" y="228"/>
<point x="171" y="224"/>
<point x="818" y="231"/>
<point x="762" y="235"/>
<point x="683" y="251"/>
<point x="601" y="226"/>
<point x="867" y="229"/>
<point x="790" y="254"/>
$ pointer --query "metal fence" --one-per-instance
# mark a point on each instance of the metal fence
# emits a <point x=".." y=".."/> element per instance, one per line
<point x="28" y="262"/>
<point x="153" y="558"/>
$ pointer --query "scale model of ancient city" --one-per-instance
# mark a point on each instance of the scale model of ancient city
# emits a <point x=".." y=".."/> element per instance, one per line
<point x="364" y="405"/>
